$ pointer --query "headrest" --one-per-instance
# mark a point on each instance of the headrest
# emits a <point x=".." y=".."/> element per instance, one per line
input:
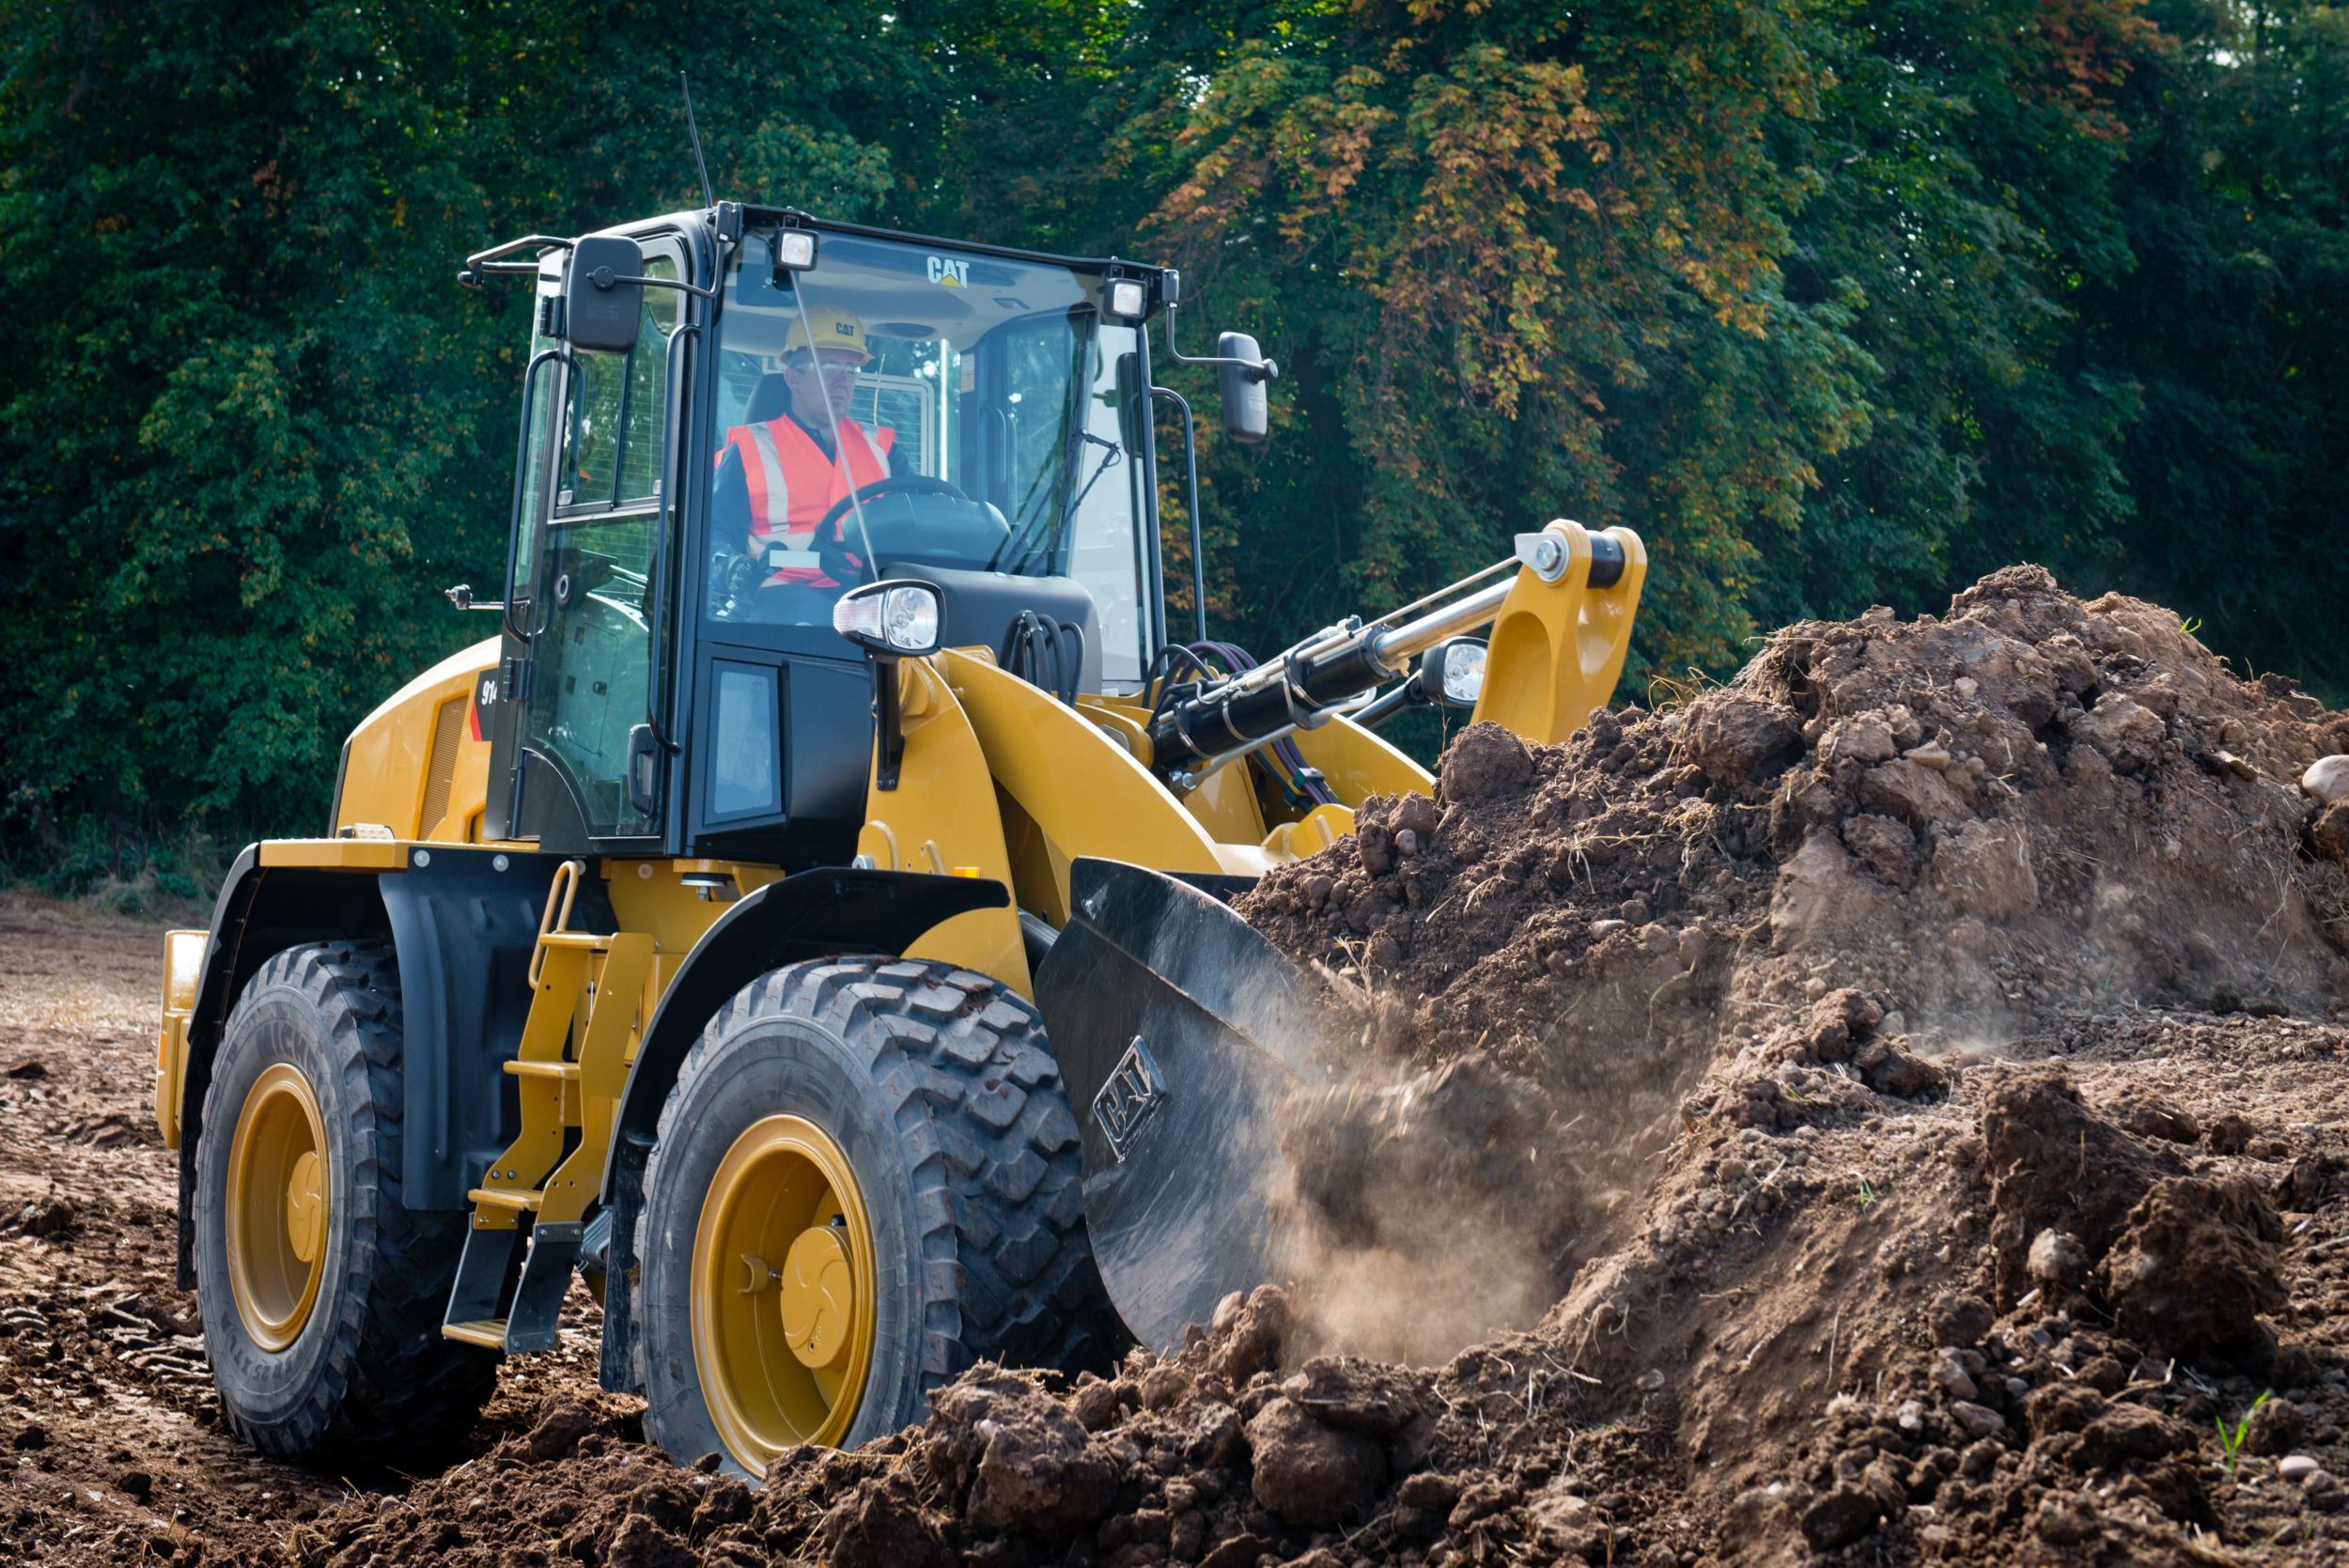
<point x="770" y="399"/>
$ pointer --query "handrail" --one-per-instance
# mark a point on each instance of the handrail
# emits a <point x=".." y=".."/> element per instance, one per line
<point x="658" y="591"/>
<point x="1197" y="551"/>
<point x="556" y="920"/>
<point x="522" y="467"/>
<point x="482" y="263"/>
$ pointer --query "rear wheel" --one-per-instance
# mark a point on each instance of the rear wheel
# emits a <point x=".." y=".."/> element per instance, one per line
<point x="866" y="1180"/>
<point x="321" y="1292"/>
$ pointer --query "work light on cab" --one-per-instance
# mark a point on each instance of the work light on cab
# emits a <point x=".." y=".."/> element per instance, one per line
<point x="1128" y="298"/>
<point x="794" y="250"/>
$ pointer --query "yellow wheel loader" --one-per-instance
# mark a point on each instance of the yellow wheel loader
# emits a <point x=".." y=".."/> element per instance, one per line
<point x="804" y="920"/>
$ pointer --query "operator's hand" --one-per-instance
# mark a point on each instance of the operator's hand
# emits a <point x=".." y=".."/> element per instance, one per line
<point x="731" y="578"/>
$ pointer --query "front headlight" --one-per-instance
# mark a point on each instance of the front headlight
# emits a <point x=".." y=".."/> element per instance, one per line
<point x="1464" y="674"/>
<point x="909" y="618"/>
<point x="890" y="619"/>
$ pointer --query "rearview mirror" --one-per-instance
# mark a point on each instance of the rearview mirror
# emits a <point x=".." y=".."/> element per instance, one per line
<point x="1246" y="416"/>
<point x="603" y="301"/>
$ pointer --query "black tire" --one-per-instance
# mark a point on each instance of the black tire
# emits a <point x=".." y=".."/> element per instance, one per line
<point x="937" y="1086"/>
<point x="367" y="1372"/>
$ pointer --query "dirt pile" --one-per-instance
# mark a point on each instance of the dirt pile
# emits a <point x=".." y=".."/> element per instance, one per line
<point x="1885" y="842"/>
<point x="1213" y="1456"/>
<point x="1835" y="1375"/>
<point x="1984" y="822"/>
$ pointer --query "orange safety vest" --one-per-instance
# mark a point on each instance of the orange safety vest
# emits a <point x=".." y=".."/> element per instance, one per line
<point x="793" y="484"/>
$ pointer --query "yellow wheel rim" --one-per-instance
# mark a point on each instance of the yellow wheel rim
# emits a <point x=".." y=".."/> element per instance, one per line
<point x="782" y="1297"/>
<point x="279" y="1206"/>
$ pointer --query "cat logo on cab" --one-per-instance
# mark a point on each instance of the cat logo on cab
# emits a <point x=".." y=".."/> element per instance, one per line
<point x="953" y="273"/>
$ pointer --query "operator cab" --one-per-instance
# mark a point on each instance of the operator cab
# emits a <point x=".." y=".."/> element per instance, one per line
<point x="1012" y="476"/>
<point x="988" y="435"/>
<point x="734" y="417"/>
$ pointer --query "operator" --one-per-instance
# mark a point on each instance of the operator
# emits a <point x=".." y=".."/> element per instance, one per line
<point x="776" y="479"/>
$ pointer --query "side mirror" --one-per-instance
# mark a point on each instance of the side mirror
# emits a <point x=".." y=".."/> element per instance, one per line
<point x="1133" y="402"/>
<point x="892" y="620"/>
<point x="602" y="300"/>
<point x="1451" y="674"/>
<point x="1246" y="416"/>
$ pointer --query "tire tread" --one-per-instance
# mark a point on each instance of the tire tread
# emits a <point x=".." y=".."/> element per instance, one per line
<point x="390" y="1379"/>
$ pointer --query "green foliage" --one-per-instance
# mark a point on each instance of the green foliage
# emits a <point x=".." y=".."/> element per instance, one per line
<point x="1835" y="302"/>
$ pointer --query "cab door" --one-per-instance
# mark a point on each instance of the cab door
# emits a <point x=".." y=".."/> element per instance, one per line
<point x="576" y="686"/>
<point x="503" y="702"/>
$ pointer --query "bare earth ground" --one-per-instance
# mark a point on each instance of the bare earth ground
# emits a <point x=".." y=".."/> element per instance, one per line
<point x="111" y="1447"/>
<point x="130" y="1462"/>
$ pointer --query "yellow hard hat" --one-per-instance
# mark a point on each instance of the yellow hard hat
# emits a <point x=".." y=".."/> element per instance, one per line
<point x="834" y="327"/>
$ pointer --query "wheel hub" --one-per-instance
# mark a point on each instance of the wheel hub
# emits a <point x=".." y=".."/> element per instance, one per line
<point x="820" y="1297"/>
<point x="306" y="1206"/>
<point x="279" y="1206"/>
<point x="788" y="1367"/>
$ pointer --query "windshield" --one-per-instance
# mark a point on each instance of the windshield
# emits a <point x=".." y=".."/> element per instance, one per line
<point x="907" y="411"/>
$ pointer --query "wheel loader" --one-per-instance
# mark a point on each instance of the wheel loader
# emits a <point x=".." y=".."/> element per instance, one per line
<point x="804" y="920"/>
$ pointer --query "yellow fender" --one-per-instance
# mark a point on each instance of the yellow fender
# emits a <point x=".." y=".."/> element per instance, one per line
<point x="1082" y="790"/>
<point x="976" y="736"/>
<point x="941" y="818"/>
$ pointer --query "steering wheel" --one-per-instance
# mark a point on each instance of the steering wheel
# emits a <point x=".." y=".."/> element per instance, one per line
<point x="911" y="484"/>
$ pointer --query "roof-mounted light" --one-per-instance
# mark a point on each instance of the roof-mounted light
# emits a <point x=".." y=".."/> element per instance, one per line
<point x="1128" y="298"/>
<point x="793" y="249"/>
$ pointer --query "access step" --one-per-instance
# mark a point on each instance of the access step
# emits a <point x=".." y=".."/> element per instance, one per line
<point x="489" y="1331"/>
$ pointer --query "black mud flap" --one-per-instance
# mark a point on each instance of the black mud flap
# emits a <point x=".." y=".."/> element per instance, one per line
<point x="1179" y="1032"/>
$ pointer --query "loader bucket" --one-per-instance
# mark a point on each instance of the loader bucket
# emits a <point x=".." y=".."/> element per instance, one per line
<point x="1179" y="1030"/>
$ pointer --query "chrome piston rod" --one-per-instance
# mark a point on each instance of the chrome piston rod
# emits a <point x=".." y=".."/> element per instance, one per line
<point x="1388" y="649"/>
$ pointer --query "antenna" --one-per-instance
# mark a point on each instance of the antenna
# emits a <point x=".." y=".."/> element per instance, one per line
<point x="693" y="130"/>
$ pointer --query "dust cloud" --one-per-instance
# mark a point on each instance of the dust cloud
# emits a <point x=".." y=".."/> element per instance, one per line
<point x="1430" y="1210"/>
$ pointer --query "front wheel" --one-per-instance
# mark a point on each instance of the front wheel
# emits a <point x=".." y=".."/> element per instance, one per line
<point x="322" y="1290"/>
<point x="866" y="1180"/>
